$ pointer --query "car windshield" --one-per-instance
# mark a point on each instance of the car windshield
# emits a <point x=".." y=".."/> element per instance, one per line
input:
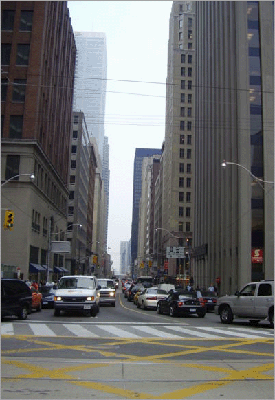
<point x="76" y="283"/>
<point x="106" y="284"/>
<point x="209" y="294"/>
<point x="45" y="289"/>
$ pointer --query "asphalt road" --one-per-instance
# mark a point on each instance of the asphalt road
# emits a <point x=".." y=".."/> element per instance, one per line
<point x="128" y="353"/>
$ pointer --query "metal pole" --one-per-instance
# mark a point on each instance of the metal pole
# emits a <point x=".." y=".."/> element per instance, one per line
<point x="49" y="250"/>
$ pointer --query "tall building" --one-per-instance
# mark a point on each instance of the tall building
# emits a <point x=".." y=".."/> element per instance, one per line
<point x="106" y="181"/>
<point x="91" y="82"/>
<point x="137" y="186"/>
<point x="234" y="215"/>
<point x="178" y="155"/>
<point x="125" y="257"/>
<point x="37" y="69"/>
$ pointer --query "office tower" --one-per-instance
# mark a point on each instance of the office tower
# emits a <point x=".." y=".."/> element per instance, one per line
<point x="91" y="81"/>
<point x="178" y="155"/>
<point x="125" y="257"/>
<point x="234" y="215"/>
<point x="37" y="70"/>
<point x="106" y="180"/>
<point x="137" y="186"/>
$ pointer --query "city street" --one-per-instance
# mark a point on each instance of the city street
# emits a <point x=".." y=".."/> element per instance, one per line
<point x="129" y="353"/>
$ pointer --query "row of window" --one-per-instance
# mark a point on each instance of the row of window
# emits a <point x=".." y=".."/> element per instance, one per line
<point x="189" y="110"/>
<point x="187" y="212"/>
<point x="187" y="226"/>
<point x="22" y="54"/>
<point x="19" y="90"/>
<point x="182" y="85"/>
<point x="182" y="98"/>
<point x="188" y="197"/>
<point x="36" y="223"/>
<point x="188" y="168"/>
<point x="25" y="20"/>
<point x="183" y="71"/>
<point x="189" y="125"/>
<point x="181" y="182"/>
<point x="188" y="153"/>
<point x="182" y="139"/>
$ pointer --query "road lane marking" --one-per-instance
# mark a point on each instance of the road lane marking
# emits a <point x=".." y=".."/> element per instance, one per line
<point x="41" y="330"/>
<point x="230" y="333"/>
<point x="7" y="329"/>
<point x="118" y="332"/>
<point x="156" y="332"/>
<point x="79" y="330"/>
<point x="191" y="332"/>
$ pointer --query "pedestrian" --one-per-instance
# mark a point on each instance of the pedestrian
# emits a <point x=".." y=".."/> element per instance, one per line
<point x="35" y="285"/>
<point x="211" y="288"/>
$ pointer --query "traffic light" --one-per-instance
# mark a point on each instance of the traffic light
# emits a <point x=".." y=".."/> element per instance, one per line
<point x="9" y="220"/>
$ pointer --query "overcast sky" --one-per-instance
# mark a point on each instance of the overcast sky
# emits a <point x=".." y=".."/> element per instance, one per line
<point x="137" y="42"/>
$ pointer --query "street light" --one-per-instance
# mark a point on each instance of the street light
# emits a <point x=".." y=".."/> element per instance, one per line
<point x="163" y="229"/>
<point x="259" y="180"/>
<point x="16" y="176"/>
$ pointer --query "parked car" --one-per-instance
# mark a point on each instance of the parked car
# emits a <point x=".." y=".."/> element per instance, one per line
<point x="36" y="299"/>
<point x="255" y="302"/>
<point x="138" y="292"/>
<point x="181" y="303"/>
<point x="107" y="292"/>
<point x="126" y="288"/>
<point x="16" y="298"/>
<point x="48" y="293"/>
<point x="132" y="291"/>
<point x="209" y="299"/>
<point x="150" y="297"/>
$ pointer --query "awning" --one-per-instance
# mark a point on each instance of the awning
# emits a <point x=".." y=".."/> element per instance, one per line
<point x="58" y="270"/>
<point x="64" y="269"/>
<point x="35" y="268"/>
<point x="45" y="266"/>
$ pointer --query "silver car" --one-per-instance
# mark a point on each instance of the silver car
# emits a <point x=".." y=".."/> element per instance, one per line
<point x="150" y="297"/>
<point x="107" y="292"/>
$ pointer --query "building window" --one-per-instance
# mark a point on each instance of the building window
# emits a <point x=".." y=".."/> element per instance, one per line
<point x="188" y="211"/>
<point x="74" y="148"/>
<point x="22" y="56"/>
<point x="71" y="195"/>
<point x="181" y="182"/>
<point x="180" y="23"/>
<point x="189" y="59"/>
<point x="19" y="90"/>
<point x="182" y="85"/>
<point x="189" y="112"/>
<point x="26" y="21"/>
<point x="189" y="33"/>
<point x="188" y="197"/>
<point x="189" y="98"/>
<point x="189" y="85"/>
<point x="75" y="119"/>
<point x="190" y="22"/>
<point x="34" y="251"/>
<point x="189" y="125"/>
<point x="182" y="125"/>
<point x="7" y="20"/>
<point x="4" y="89"/>
<point x="188" y="227"/>
<point x="180" y="36"/>
<point x="181" y="167"/>
<point x="182" y="71"/>
<point x="182" y="111"/>
<point x="181" y="139"/>
<point x="5" y="54"/>
<point x="12" y="167"/>
<point x="181" y="196"/>
<point x="188" y="168"/>
<point x="73" y="164"/>
<point x="181" y="153"/>
<point x="189" y="153"/>
<point x="72" y="179"/>
<point x="188" y="182"/>
<point x="182" y="58"/>
<point x="189" y="139"/>
<point x="182" y="97"/>
<point x="190" y="71"/>
<point x="71" y="210"/>
<point x="75" y="134"/>
<point x="16" y="126"/>
<point x="180" y="211"/>
<point x="180" y="226"/>
<point x="190" y="46"/>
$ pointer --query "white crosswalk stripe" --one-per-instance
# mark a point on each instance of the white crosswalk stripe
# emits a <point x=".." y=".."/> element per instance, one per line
<point x="132" y="331"/>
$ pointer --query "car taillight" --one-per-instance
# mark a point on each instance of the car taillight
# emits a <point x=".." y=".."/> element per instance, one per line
<point x="201" y="300"/>
<point x="152" y="298"/>
<point x="180" y="303"/>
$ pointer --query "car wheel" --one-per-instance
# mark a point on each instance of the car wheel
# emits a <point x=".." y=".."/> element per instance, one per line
<point x="254" y="322"/>
<point x="114" y="304"/>
<point x="143" y="306"/>
<point x="201" y="314"/>
<point x="23" y="313"/>
<point x="159" y="309"/>
<point x="226" y="315"/>
<point x="271" y="318"/>
<point x="39" y="308"/>
<point x="56" y="313"/>
<point x="93" y="312"/>
<point x="138" y="305"/>
<point x="172" y="311"/>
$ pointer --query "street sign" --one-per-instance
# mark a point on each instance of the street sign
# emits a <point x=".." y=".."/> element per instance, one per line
<point x="175" y="252"/>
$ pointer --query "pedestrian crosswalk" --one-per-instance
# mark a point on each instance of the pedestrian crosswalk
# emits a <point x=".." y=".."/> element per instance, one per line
<point x="132" y="331"/>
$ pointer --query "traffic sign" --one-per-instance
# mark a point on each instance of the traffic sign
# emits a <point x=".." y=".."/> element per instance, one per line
<point x="175" y="252"/>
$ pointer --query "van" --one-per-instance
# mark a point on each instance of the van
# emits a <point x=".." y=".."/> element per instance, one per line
<point x="77" y="293"/>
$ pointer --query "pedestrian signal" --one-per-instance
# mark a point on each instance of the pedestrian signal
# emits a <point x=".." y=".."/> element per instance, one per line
<point x="9" y="220"/>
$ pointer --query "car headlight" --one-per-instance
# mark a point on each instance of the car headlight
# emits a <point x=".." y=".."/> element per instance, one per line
<point x="57" y="298"/>
<point x="111" y="294"/>
<point x="90" y="298"/>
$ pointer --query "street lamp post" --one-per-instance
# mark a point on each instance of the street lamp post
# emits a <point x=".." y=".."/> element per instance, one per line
<point x="16" y="176"/>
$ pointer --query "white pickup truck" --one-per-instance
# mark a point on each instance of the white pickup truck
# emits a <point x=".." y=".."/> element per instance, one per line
<point x="255" y="302"/>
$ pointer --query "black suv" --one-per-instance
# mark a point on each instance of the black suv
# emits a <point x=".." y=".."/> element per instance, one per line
<point x="16" y="298"/>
